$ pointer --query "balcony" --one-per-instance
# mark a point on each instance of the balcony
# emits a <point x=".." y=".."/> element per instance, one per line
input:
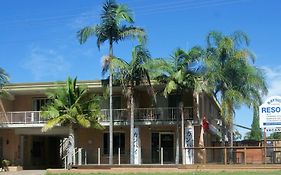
<point x="149" y="114"/>
<point x="21" y="117"/>
<point x="119" y="115"/>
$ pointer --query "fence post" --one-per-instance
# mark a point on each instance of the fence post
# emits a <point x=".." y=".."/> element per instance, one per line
<point x="85" y="157"/>
<point x="245" y="155"/>
<point x="65" y="162"/>
<point x="118" y="156"/>
<point x="98" y="156"/>
<point x="161" y="155"/>
<point x="74" y="157"/>
<point x="204" y="156"/>
<point x="79" y="156"/>
<point x="265" y="143"/>
<point x="225" y="156"/>
<point x="264" y="154"/>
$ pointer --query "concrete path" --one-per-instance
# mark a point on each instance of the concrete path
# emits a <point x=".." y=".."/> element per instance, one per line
<point x="24" y="172"/>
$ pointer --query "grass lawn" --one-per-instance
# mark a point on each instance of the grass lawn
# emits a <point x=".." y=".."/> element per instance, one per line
<point x="191" y="173"/>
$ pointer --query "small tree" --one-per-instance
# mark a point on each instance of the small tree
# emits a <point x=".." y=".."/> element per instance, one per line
<point x="255" y="133"/>
<point x="71" y="106"/>
<point x="275" y="135"/>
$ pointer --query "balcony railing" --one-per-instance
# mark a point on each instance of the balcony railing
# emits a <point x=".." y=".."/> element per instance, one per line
<point x="141" y="114"/>
<point x="149" y="114"/>
<point x="21" y="117"/>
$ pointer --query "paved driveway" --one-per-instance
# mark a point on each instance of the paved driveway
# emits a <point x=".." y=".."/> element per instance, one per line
<point x="24" y="172"/>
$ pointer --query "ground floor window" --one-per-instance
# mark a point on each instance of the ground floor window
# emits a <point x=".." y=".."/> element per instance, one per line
<point x="118" y="142"/>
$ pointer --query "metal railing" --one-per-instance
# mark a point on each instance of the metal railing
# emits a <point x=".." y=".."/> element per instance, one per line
<point x="242" y="155"/>
<point x="236" y="155"/>
<point x="141" y="114"/>
<point x="150" y="114"/>
<point x="21" y="117"/>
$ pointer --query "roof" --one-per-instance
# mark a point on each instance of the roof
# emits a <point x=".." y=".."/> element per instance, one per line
<point x="41" y="87"/>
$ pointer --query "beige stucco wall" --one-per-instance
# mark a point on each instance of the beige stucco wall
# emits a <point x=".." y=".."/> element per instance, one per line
<point x="10" y="145"/>
<point x="92" y="139"/>
<point x="24" y="102"/>
<point x="7" y="105"/>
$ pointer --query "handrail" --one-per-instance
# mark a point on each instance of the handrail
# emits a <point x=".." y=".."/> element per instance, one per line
<point x="141" y="114"/>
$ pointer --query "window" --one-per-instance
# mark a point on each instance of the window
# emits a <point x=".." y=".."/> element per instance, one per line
<point x="38" y="103"/>
<point x="174" y="100"/>
<point x="118" y="142"/>
<point x="116" y="103"/>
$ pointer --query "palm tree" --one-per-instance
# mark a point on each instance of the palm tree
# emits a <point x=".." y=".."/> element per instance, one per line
<point x="71" y="106"/>
<point x="130" y="74"/>
<point x="112" y="29"/>
<point x="178" y="76"/>
<point x="4" y="79"/>
<point x="231" y="74"/>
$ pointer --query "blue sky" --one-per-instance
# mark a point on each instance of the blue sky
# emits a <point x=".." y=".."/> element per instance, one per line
<point x="38" y="38"/>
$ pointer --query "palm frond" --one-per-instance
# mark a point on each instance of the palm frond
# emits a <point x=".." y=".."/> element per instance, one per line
<point x="124" y="13"/>
<point x="132" y="32"/>
<point x="71" y="105"/>
<point x="87" y="32"/>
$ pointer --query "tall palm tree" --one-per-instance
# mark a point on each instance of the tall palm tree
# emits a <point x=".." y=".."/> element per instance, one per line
<point x="178" y="76"/>
<point x="131" y="74"/>
<point x="71" y="106"/>
<point x="231" y="73"/>
<point x="113" y="29"/>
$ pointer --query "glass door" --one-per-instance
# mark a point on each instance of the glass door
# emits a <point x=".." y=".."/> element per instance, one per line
<point x="165" y="141"/>
<point x="155" y="148"/>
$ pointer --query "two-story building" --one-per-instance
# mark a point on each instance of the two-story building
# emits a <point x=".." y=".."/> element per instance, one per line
<point x="160" y="126"/>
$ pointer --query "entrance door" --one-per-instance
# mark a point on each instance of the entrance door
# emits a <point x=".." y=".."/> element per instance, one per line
<point x="45" y="152"/>
<point x="165" y="141"/>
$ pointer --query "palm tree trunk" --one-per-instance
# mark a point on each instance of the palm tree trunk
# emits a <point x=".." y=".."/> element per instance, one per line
<point x="131" y="126"/>
<point x="182" y="138"/>
<point x="110" y="107"/>
<point x="177" y="133"/>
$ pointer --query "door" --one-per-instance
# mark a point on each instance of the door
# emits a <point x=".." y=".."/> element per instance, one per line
<point x="166" y="142"/>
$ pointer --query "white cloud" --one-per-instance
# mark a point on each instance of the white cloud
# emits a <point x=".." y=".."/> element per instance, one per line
<point x="273" y="77"/>
<point x="84" y="19"/>
<point x="46" y="64"/>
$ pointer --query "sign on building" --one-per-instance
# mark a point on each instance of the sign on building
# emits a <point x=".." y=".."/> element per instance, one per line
<point x="188" y="144"/>
<point x="137" y="149"/>
<point x="270" y="113"/>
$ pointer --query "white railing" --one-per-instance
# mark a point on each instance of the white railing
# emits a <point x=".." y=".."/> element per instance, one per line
<point x="118" y="114"/>
<point x="21" y="117"/>
<point x="141" y="114"/>
<point x="149" y="114"/>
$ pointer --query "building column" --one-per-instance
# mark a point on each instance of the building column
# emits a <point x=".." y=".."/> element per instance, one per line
<point x="21" y="149"/>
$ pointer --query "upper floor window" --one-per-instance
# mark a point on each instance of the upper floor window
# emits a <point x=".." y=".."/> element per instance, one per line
<point x="174" y="100"/>
<point x="116" y="103"/>
<point x="38" y="103"/>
